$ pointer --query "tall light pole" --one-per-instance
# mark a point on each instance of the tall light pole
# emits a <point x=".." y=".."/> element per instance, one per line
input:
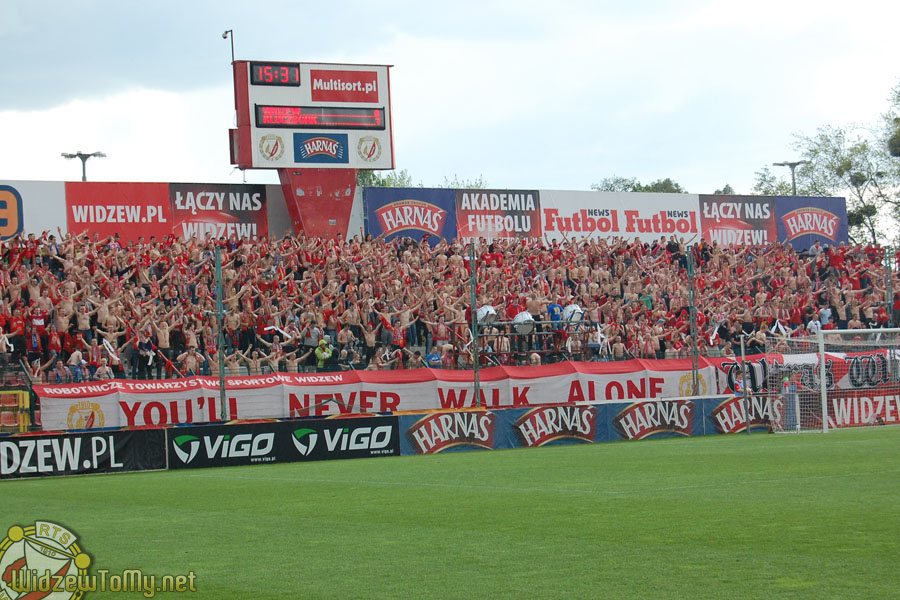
<point x="228" y="33"/>
<point x="84" y="158"/>
<point x="792" y="165"/>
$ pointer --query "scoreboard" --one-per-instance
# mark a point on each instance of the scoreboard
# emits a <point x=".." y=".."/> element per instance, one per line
<point x="317" y="115"/>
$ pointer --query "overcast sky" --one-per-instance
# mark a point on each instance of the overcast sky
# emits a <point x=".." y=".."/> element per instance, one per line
<point x="529" y="95"/>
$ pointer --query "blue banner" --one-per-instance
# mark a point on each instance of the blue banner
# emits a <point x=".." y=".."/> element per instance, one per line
<point x="804" y="221"/>
<point x="430" y="433"/>
<point x="418" y="213"/>
<point x="321" y="148"/>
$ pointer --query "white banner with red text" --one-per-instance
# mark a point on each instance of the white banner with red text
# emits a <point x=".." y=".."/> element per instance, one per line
<point x="128" y="403"/>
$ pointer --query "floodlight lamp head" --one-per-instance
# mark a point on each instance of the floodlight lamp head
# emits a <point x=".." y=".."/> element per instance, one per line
<point x="225" y="34"/>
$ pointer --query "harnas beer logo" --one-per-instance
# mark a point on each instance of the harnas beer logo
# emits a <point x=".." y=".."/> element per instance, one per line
<point x="809" y="220"/>
<point x="436" y="433"/>
<point x="318" y="148"/>
<point x="46" y="551"/>
<point x="544" y="425"/>
<point x="731" y="417"/>
<point x="645" y="419"/>
<point x="411" y="214"/>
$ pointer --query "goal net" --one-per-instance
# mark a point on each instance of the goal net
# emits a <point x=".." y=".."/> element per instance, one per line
<point x="838" y="378"/>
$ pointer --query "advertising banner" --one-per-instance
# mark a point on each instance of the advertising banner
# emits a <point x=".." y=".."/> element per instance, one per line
<point x="199" y="209"/>
<point x="128" y="209"/>
<point x="135" y="210"/>
<point x="82" y="453"/>
<point x="32" y="207"/>
<point x="497" y="214"/>
<point x="120" y="403"/>
<point x="283" y="441"/>
<point x="575" y="215"/>
<point x="804" y="221"/>
<point x="417" y="213"/>
<point x="449" y="431"/>
<point x="738" y="220"/>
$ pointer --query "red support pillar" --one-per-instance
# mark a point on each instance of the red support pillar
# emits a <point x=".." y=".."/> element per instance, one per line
<point x="319" y="201"/>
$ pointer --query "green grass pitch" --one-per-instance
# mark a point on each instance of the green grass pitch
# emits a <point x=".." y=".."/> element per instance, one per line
<point x="761" y="516"/>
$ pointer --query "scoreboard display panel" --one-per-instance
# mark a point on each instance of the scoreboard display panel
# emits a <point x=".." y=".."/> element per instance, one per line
<point x="293" y="114"/>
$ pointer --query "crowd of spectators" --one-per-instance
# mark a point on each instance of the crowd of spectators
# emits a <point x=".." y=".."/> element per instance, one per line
<point x="77" y="307"/>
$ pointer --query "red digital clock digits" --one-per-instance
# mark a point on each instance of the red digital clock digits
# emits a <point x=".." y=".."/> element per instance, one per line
<point x="266" y="73"/>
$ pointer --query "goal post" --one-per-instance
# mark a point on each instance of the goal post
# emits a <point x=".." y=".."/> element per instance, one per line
<point x="839" y="378"/>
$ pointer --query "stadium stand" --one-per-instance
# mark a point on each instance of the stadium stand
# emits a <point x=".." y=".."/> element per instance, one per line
<point x="79" y="308"/>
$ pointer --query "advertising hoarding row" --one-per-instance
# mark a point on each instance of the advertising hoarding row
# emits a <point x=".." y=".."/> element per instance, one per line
<point x="302" y="440"/>
<point x="135" y="210"/>
<point x="861" y="388"/>
<point x="557" y="215"/>
<point x="119" y="403"/>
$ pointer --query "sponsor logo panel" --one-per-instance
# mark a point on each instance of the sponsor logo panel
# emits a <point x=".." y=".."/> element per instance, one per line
<point x="130" y="210"/>
<point x="421" y="214"/>
<point x="219" y="210"/>
<point x="541" y="426"/>
<point x="321" y="148"/>
<point x="803" y="221"/>
<point x="343" y="86"/>
<point x="463" y="430"/>
<point x="647" y="419"/>
<point x="498" y="213"/>
<point x="631" y="215"/>
<point x="285" y="441"/>
<point x="82" y="454"/>
<point x="738" y="220"/>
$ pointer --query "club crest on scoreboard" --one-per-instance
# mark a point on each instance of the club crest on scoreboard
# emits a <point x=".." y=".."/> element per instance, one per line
<point x="271" y="147"/>
<point x="368" y="148"/>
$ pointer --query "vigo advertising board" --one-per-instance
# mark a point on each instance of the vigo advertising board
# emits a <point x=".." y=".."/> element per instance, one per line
<point x="285" y="441"/>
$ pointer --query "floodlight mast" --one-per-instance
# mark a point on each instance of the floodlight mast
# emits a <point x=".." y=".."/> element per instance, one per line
<point x="792" y="165"/>
<point x="84" y="158"/>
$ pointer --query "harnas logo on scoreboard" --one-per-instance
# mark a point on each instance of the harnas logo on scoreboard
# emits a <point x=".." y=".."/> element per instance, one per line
<point x="544" y="425"/>
<point x="644" y="419"/>
<point x="411" y="214"/>
<point x="318" y="148"/>
<point x="436" y="433"/>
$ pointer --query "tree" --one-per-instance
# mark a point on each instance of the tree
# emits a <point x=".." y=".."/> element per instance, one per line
<point x="617" y="183"/>
<point x="858" y="163"/>
<point x="725" y="191"/>
<point x="479" y="183"/>
<point x="402" y="178"/>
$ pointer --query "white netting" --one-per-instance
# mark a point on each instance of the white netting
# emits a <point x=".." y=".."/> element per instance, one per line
<point x="862" y="380"/>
